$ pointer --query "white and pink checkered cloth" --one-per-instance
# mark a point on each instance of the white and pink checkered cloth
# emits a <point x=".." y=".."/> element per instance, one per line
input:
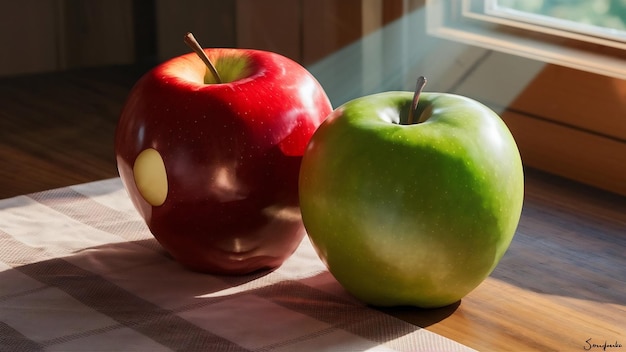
<point x="79" y="271"/>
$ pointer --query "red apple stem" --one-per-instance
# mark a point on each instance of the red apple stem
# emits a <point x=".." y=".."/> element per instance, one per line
<point x="419" y="86"/>
<point x="191" y="41"/>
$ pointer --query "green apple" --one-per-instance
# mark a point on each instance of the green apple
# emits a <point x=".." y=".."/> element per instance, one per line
<point x="411" y="213"/>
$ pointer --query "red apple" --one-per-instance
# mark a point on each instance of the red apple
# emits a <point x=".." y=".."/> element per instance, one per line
<point x="213" y="167"/>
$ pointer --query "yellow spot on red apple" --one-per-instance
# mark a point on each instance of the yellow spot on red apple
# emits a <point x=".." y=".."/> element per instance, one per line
<point x="150" y="176"/>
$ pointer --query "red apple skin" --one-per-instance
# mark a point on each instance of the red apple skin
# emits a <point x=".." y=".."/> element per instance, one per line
<point x="232" y="155"/>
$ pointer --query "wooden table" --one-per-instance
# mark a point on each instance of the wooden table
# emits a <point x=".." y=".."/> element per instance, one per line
<point x="561" y="285"/>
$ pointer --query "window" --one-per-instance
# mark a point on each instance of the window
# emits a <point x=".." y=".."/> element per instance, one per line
<point x="588" y="35"/>
<point x="600" y="18"/>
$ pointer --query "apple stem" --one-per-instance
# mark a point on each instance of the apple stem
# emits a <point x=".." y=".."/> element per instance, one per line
<point x="421" y="82"/>
<point x="191" y="41"/>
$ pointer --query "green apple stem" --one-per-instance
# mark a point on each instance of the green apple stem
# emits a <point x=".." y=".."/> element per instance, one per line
<point x="421" y="82"/>
<point x="191" y="41"/>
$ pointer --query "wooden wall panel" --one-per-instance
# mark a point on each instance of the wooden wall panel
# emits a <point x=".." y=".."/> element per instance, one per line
<point x="329" y="25"/>
<point x="568" y="152"/>
<point x="42" y="36"/>
<point x="273" y="25"/>
<point x="96" y="33"/>
<point x="211" y="21"/>
<point x="580" y="99"/>
<point x="29" y="36"/>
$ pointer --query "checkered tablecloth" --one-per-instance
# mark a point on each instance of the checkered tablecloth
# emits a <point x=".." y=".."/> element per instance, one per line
<point x="79" y="271"/>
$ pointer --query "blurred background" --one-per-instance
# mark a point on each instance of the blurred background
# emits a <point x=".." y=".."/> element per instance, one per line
<point x="554" y="70"/>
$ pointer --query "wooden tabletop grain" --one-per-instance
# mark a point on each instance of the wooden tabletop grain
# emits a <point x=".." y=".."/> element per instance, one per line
<point x="561" y="286"/>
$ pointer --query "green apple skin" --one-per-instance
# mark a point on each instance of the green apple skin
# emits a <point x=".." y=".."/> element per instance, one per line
<point x="411" y="214"/>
